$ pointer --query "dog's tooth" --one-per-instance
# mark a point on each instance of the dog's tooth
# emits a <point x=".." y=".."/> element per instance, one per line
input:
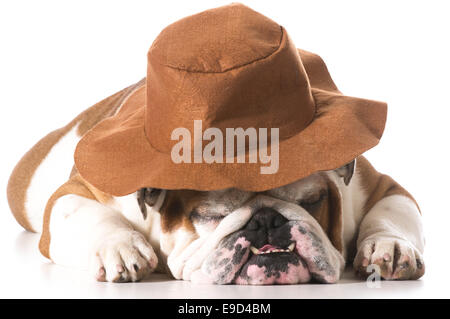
<point x="254" y="250"/>
<point x="291" y="247"/>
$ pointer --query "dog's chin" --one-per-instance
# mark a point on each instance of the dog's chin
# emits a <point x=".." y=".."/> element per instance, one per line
<point x="273" y="268"/>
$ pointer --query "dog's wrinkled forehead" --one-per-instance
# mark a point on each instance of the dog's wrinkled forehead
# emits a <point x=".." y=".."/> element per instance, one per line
<point x="224" y="202"/>
<point x="305" y="188"/>
<point x="221" y="202"/>
<point x="187" y="207"/>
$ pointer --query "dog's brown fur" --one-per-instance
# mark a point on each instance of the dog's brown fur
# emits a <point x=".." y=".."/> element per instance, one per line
<point x="23" y="172"/>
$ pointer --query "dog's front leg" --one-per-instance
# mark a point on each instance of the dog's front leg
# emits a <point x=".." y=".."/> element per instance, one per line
<point x="391" y="237"/>
<point x="87" y="234"/>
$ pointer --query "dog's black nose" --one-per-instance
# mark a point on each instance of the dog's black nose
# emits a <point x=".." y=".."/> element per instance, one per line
<point x="267" y="218"/>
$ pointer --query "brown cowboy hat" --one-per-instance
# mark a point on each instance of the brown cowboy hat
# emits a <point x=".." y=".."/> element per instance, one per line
<point x="230" y="67"/>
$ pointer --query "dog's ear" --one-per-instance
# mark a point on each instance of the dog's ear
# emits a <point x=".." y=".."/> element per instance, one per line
<point x="347" y="171"/>
<point x="147" y="196"/>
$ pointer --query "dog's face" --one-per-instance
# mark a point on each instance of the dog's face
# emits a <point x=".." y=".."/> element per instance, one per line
<point x="287" y="235"/>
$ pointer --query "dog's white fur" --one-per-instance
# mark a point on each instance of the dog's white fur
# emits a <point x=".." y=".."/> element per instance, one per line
<point x="52" y="173"/>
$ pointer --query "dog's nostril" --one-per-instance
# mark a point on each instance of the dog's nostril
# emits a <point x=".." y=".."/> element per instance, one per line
<point x="266" y="218"/>
<point x="252" y="225"/>
<point x="279" y="221"/>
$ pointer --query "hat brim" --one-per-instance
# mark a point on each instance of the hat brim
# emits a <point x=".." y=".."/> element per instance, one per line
<point x="343" y="128"/>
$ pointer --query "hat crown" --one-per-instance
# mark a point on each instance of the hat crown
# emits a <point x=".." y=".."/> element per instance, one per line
<point x="229" y="67"/>
<point x="216" y="40"/>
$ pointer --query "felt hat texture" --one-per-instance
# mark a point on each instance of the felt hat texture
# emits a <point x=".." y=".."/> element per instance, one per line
<point x="229" y="67"/>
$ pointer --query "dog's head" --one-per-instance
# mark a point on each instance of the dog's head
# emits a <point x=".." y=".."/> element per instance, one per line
<point x="287" y="235"/>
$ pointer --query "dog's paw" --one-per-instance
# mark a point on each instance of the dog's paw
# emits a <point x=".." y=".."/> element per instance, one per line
<point x="397" y="259"/>
<point x="123" y="257"/>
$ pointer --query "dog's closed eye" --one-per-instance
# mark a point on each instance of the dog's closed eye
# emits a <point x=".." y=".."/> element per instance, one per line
<point x="312" y="203"/>
<point x="195" y="216"/>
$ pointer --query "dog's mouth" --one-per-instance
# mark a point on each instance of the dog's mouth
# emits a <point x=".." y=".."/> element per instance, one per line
<point x="270" y="249"/>
<point x="272" y="264"/>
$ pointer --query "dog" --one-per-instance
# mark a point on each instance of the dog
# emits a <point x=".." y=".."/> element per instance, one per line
<point x="306" y="231"/>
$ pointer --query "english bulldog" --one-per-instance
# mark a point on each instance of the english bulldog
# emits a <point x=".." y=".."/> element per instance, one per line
<point x="302" y="232"/>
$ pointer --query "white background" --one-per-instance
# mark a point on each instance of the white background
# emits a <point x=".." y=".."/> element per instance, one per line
<point x="59" y="57"/>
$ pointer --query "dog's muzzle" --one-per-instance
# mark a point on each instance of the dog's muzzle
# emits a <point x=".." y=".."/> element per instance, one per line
<point x="273" y="242"/>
